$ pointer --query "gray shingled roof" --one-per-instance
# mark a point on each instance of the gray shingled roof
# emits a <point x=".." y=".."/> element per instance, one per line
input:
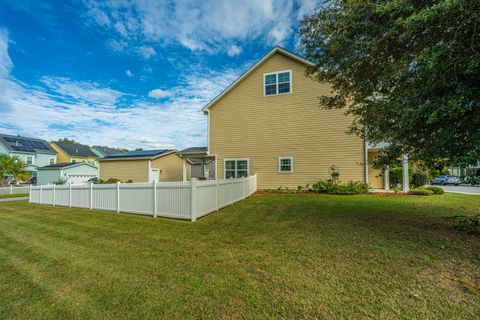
<point x="107" y="150"/>
<point x="195" y="150"/>
<point x="76" y="150"/>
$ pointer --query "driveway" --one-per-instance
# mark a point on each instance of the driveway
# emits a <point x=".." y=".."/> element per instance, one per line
<point x="13" y="199"/>
<point x="462" y="189"/>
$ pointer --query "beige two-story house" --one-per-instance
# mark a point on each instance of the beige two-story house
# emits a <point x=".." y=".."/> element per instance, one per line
<point x="269" y="122"/>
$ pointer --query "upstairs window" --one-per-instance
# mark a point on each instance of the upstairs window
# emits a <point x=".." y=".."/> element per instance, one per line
<point x="277" y="83"/>
<point x="29" y="160"/>
<point x="52" y="160"/>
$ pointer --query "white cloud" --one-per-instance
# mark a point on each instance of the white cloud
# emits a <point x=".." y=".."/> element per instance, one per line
<point x="234" y="50"/>
<point x="199" y="25"/>
<point x="5" y="61"/>
<point x="129" y="73"/>
<point x="159" y="93"/>
<point x="116" y="45"/>
<point x="146" y="52"/>
<point x="94" y="113"/>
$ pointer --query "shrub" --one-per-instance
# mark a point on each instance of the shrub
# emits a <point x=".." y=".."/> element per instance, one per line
<point x="435" y="190"/>
<point x="352" y="187"/>
<point x="112" y="180"/>
<point x="421" y="192"/>
<point x="419" y="179"/>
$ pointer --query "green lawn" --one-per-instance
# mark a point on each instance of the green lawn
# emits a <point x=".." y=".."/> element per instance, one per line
<point x="270" y="256"/>
<point x="15" y="195"/>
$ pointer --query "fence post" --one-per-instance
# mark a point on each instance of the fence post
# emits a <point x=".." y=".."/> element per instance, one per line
<point x="193" y="209"/>
<point x="11" y="189"/>
<point x="244" y="193"/>
<point x="30" y="194"/>
<point x="91" y="195"/>
<point x="53" y="201"/>
<point x="118" y="196"/>
<point x="40" y="196"/>
<point x="154" y="198"/>
<point x="70" y="195"/>
<point x="216" y="194"/>
<point x="233" y="191"/>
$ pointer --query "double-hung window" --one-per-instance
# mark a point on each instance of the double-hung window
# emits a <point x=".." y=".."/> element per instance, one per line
<point x="236" y="168"/>
<point x="277" y="83"/>
<point x="52" y="160"/>
<point x="29" y="160"/>
<point x="285" y="164"/>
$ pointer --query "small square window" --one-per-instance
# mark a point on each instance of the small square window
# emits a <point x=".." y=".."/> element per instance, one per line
<point x="29" y="160"/>
<point x="52" y="160"/>
<point x="285" y="164"/>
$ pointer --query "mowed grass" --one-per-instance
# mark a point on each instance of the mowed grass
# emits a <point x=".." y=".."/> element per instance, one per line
<point x="269" y="256"/>
<point x="15" y="195"/>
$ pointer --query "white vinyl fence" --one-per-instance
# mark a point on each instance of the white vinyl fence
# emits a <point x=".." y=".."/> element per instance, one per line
<point x="182" y="200"/>
<point x="14" y="190"/>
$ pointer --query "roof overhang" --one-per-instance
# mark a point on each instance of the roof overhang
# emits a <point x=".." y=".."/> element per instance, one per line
<point x="67" y="167"/>
<point x="275" y="50"/>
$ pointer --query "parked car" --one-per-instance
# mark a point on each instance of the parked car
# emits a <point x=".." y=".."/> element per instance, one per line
<point x="94" y="180"/>
<point x="444" y="180"/>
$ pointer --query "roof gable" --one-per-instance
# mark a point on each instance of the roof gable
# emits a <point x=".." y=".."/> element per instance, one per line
<point x="275" y="50"/>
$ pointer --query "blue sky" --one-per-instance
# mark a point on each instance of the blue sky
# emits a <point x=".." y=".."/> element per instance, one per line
<point x="130" y="73"/>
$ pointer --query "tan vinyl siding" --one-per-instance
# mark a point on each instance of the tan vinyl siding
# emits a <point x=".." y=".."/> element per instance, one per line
<point x="375" y="176"/>
<point x="171" y="167"/>
<point x="246" y="124"/>
<point x="135" y="170"/>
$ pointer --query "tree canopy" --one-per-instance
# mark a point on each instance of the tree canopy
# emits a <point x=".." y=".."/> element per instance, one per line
<point x="11" y="165"/>
<point x="408" y="72"/>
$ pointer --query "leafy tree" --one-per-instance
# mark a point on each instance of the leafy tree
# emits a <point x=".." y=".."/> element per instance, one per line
<point x="10" y="165"/>
<point x="407" y="70"/>
<point x="66" y="140"/>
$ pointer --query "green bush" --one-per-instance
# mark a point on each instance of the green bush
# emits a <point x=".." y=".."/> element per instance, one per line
<point x="435" y="190"/>
<point x="328" y="186"/>
<point x="420" y="192"/>
<point x="419" y="179"/>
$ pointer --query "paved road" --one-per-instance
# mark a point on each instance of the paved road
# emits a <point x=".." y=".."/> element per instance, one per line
<point x="462" y="189"/>
<point x="13" y="199"/>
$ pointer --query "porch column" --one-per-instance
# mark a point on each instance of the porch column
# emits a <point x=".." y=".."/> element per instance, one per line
<point x="184" y="169"/>
<point x="405" y="182"/>
<point x="386" y="178"/>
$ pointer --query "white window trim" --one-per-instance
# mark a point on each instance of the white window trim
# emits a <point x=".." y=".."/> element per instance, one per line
<point x="280" y="164"/>
<point x="277" y="72"/>
<point x="235" y="159"/>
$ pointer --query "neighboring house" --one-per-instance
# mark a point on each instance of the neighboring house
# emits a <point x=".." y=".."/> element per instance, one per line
<point x="73" y="173"/>
<point x="73" y="153"/>
<point x="269" y="122"/>
<point x="143" y="166"/>
<point x="103" y="152"/>
<point x="201" y="164"/>
<point x="34" y="152"/>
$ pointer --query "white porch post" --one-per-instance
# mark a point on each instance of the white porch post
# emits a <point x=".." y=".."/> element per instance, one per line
<point x="184" y="169"/>
<point x="386" y="178"/>
<point x="405" y="182"/>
